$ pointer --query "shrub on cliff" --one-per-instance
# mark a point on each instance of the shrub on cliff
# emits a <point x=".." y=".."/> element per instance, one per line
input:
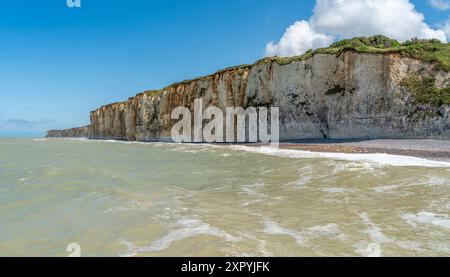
<point x="379" y="42"/>
<point x="426" y="50"/>
<point x="424" y="91"/>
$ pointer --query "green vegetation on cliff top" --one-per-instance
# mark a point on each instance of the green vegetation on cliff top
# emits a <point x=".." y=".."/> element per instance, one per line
<point x="432" y="51"/>
<point x="425" y="50"/>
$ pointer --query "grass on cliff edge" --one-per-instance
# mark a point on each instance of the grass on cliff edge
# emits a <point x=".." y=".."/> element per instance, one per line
<point x="425" y="50"/>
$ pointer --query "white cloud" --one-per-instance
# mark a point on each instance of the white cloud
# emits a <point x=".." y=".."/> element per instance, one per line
<point x="442" y="5"/>
<point x="396" y="19"/>
<point x="298" y="38"/>
<point x="446" y="28"/>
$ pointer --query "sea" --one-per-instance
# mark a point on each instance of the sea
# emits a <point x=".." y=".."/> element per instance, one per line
<point x="63" y="197"/>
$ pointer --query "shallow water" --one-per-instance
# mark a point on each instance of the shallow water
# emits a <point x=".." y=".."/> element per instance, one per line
<point x="132" y="199"/>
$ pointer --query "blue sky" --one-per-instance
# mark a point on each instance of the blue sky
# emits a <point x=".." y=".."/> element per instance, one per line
<point x="58" y="64"/>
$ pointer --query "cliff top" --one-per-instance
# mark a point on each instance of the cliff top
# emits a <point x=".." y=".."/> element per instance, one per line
<point x="432" y="51"/>
<point x="426" y="50"/>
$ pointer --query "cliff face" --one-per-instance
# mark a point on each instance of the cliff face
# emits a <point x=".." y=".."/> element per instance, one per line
<point x="147" y="117"/>
<point x="351" y="95"/>
<point x="81" y="132"/>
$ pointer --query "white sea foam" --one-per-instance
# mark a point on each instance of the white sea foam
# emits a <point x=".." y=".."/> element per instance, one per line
<point x="427" y="181"/>
<point x="253" y="190"/>
<point x="437" y="181"/>
<point x="40" y="139"/>
<point x="430" y="181"/>
<point x="188" y="148"/>
<point x="386" y="189"/>
<point x="133" y="206"/>
<point x="302" y="182"/>
<point x="75" y="139"/>
<point x="307" y="176"/>
<point x="188" y="228"/>
<point x="329" y="230"/>
<point x="359" y="166"/>
<point x="336" y="190"/>
<point x="263" y="250"/>
<point x="116" y="141"/>
<point x="273" y="228"/>
<point x="411" y="245"/>
<point x="374" y="231"/>
<point x="373" y="249"/>
<point x="425" y="218"/>
<point x="381" y="159"/>
<point x="261" y="247"/>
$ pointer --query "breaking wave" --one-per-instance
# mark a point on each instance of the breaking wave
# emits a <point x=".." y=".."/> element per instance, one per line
<point x="187" y="228"/>
<point x="381" y="159"/>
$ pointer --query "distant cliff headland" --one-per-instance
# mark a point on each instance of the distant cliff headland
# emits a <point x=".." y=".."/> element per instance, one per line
<point x="370" y="87"/>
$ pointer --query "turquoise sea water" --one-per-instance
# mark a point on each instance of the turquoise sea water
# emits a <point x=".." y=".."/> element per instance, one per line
<point x="132" y="199"/>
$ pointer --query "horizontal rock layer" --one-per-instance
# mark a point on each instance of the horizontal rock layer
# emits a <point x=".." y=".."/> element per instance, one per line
<point x="350" y="95"/>
<point x="81" y="132"/>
